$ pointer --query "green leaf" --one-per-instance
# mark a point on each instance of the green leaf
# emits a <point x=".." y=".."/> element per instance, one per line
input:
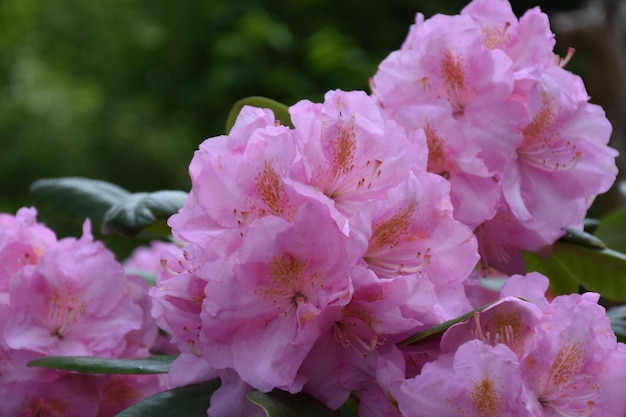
<point x="141" y="210"/>
<point x="93" y="365"/>
<point x="598" y="270"/>
<point x="617" y="315"/>
<point x="283" y="404"/>
<point x="612" y="230"/>
<point x="590" y="225"/>
<point x="189" y="401"/>
<point x="78" y="197"/>
<point x="350" y="408"/>
<point x="578" y="237"/>
<point x="281" y="111"/>
<point x="562" y="279"/>
<point x="440" y="328"/>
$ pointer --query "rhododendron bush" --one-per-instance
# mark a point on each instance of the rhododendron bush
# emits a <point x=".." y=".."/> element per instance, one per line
<point x="417" y="250"/>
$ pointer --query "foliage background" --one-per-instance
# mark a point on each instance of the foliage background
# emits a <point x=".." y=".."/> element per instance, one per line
<point x="125" y="90"/>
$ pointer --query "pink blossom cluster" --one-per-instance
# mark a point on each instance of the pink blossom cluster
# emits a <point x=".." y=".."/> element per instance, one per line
<point x="510" y="128"/>
<point x="523" y="357"/>
<point x="308" y="254"/>
<point x="67" y="297"/>
<point x="308" y="251"/>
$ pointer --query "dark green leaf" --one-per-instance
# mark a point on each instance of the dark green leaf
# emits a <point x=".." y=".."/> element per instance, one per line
<point x="350" y="408"/>
<point x="281" y="111"/>
<point x="440" y="328"/>
<point x="590" y="225"/>
<point x="78" y="197"/>
<point x="562" y="279"/>
<point x="598" y="270"/>
<point x="188" y="401"/>
<point x="93" y="365"/>
<point x="617" y="315"/>
<point x="612" y="231"/>
<point x="141" y="210"/>
<point x="578" y="237"/>
<point x="283" y="404"/>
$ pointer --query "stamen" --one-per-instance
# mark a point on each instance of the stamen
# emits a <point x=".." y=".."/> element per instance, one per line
<point x="192" y="348"/>
<point x="166" y="268"/>
<point x="563" y="61"/>
<point x="590" y="406"/>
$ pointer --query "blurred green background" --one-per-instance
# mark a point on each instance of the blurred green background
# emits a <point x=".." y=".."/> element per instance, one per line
<point x="125" y="90"/>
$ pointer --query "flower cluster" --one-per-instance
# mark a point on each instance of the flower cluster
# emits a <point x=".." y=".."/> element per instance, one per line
<point x="308" y="258"/>
<point x="325" y="243"/>
<point x="524" y="357"/>
<point x="62" y="298"/>
<point x="308" y="254"/>
<point x="510" y="128"/>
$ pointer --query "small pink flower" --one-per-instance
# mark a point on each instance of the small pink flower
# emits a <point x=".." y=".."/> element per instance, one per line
<point x="22" y="242"/>
<point x="147" y="259"/>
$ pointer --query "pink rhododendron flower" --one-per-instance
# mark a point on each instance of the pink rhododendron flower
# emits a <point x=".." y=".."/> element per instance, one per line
<point x="350" y="152"/>
<point x="446" y="81"/>
<point x="337" y="244"/>
<point x="477" y="380"/>
<point x="238" y="179"/>
<point x="412" y="231"/>
<point x="69" y="297"/>
<point x="65" y="312"/>
<point x="505" y="32"/>
<point x="147" y="259"/>
<point x="566" y="353"/>
<point x="505" y="123"/>
<point x="563" y="161"/>
<point x="286" y="289"/>
<point x="22" y="242"/>
<point x="576" y="359"/>
<point x="148" y="262"/>
<point x="381" y="313"/>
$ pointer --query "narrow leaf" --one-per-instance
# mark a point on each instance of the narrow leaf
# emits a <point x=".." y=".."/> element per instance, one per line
<point x="598" y="270"/>
<point x="578" y="237"/>
<point x="77" y="197"/>
<point x="188" y="401"/>
<point x="440" y="328"/>
<point x="283" y="404"/>
<point x="281" y="111"/>
<point x="140" y="210"/>
<point x="93" y="365"/>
